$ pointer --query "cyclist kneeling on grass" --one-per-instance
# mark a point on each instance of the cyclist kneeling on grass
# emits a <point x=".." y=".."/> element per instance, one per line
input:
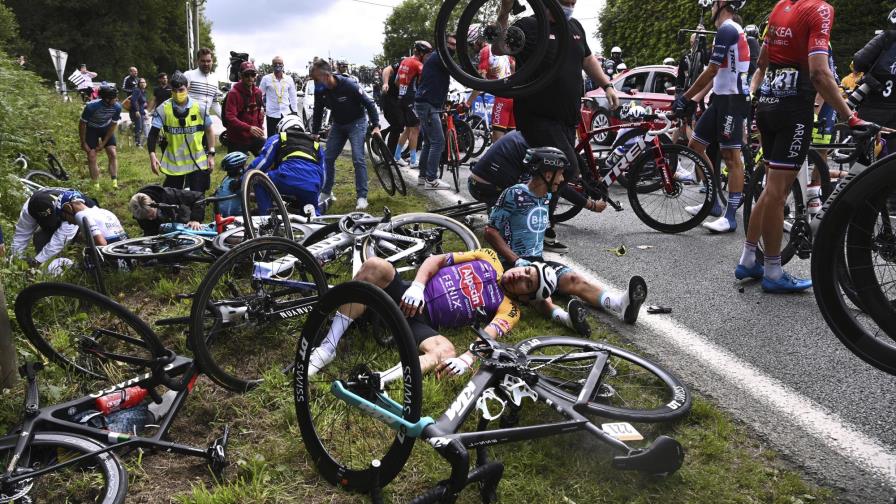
<point x="294" y="161"/>
<point x="516" y="231"/>
<point x="447" y="292"/>
<point x="147" y="216"/>
<point x="38" y="222"/>
<point x="103" y="225"/>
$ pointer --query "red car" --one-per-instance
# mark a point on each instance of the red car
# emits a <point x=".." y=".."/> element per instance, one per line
<point x="650" y="86"/>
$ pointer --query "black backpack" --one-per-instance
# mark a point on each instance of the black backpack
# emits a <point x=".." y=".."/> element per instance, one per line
<point x="246" y="98"/>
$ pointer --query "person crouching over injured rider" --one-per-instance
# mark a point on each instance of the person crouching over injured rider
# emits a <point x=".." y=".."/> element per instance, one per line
<point x="447" y="291"/>
<point x="516" y="230"/>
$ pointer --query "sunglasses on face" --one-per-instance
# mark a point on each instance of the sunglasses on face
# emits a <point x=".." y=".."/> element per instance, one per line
<point x="253" y="75"/>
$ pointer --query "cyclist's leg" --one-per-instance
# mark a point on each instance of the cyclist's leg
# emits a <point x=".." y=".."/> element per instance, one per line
<point x="92" y="139"/>
<point x="112" y="155"/>
<point x="731" y="140"/>
<point x="434" y="348"/>
<point x="356" y="135"/>
<point x="412" y="125"/>
<point x="623" y="304"/>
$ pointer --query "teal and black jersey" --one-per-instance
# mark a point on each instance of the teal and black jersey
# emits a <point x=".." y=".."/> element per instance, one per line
<point x="522" y="218"/>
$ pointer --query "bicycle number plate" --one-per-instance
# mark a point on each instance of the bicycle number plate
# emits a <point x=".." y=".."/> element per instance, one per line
<point x="622" y="431"/>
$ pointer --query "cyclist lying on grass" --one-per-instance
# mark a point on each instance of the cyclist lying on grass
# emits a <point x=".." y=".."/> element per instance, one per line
<point x="103" y="225"/>
<point x="516" y="231"/>
<point x="447" y="291"/>
<point x="147" y="216"/>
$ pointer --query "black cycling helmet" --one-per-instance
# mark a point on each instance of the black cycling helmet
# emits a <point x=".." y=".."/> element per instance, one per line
<point x="422" y="46"/>
<point x="107" y="91"/>
<point x="542" y="159"/>
<point x="177" y="80"/>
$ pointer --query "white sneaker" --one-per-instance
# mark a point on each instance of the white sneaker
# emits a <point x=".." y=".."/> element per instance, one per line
<point x="693" y="210"/>
<point x="319" y="359"/>
<point x="436" y="184"/>
<point x="362" y="204"/>
<point x="402" y="163"/>
<point x="415" y="166"/>
<point x="720" y="225"/>
<point x="421" y="180"/>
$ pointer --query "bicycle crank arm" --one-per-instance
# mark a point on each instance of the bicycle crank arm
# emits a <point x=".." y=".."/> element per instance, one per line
<point x="613" y="203"/>
<point x="389" y="418"/>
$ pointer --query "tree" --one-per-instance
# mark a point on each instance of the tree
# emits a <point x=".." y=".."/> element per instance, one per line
<point x="150" y="35"/>
<point x="9" y="28"/>
<point x="655" y="36"/>
<point x="411" y="20"/>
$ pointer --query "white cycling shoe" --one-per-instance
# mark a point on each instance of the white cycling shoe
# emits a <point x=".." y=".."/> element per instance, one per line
<point x="720" y="225"/>
<point x="318" y="360"/>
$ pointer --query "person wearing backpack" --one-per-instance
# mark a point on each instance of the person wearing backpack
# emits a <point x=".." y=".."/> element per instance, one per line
<point x="244" y="113"/>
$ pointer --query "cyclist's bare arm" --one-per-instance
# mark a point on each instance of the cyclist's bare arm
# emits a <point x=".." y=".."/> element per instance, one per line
<point x="99" y="240"/>
<point x="761" y="67"/>
<point x="429" y="268"/>
<point x="503" y="23"/>
<point x="494" y="238"/>
<point x="823" y="80"/>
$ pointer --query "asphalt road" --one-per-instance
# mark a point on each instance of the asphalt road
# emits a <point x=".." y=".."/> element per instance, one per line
<point x="770" y="360"/>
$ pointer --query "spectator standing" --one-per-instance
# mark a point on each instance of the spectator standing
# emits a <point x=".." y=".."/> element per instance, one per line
<point x="430" y="98"/>
<point x="245" y="113"/>
<point x="85" y="88"/>
<point x="279" y="92"/>
<point x="161" y="92"/>
<point x="138" y="111"/>
<point x="129" y="83"/>
<point x="347" y="103"/>
<point x="96" y="131"/>
<point x="203" y="86"/>
<point x="187" y="126"/>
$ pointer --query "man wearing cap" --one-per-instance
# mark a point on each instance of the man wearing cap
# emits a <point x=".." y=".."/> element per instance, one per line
<point x="244" y="113"/>
<point x="38" y="222"/>
<point x="279" y="92"/>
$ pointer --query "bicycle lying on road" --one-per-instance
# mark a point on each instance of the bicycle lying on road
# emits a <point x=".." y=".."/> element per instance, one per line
<point x="373" y="416"/>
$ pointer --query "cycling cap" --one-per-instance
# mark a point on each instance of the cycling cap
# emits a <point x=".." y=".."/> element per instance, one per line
<point x="67" y="197"/>
<point x="139" y="206"/>
<point x="616" y="50"/>
<point x="669" y="61"/>
<point x="290" y="121"/>
<point x="234" y="161"/>
<point x="547" y="281"/>
<point x="178" y="79"/>
<point x="752" y="31"/>
<point x="107" y="91"/>
<point x="422" y="46"/>
<point x="541" y="159"/>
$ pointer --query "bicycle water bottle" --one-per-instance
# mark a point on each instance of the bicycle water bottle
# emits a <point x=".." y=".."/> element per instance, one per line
<point x="121" y="399"/>
<point x="813" y="202"/>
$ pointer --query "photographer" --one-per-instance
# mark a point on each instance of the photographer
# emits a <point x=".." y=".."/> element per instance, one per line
<point x="878" y="61"/>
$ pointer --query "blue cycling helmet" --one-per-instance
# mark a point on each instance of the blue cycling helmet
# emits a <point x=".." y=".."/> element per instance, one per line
<point x="65" y="198"/>
<point x="234" y="162"/>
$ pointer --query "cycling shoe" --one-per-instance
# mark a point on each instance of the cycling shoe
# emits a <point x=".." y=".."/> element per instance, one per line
<point x="756" y="272"/>
<point x="785" y="284"/>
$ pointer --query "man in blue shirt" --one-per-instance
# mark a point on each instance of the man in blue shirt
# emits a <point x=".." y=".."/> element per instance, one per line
<point x="431" y="95"/>
<point x="96" y="130"/>
<point x="347" y="103"/>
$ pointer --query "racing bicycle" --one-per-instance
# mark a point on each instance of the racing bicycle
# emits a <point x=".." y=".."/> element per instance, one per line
<point x="360" y="415"/>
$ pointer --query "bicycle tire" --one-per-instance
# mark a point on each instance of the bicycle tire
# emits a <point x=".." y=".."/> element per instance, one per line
<point x="47" y="448"/>
<point x="230" y="238"/>
<point x="481" y="135"/>
<point x="93" y="263"/>
<point x="402" y="224"/>
<point x="879" y="352"/>
<point x="237" y="351"/>
<point x="55" y="167"/>
<point x="280" y="216"/>
<point x="43" y="178"/>
<point x="465" y="139"/>
<point x="398" y="177"/>
<point x="85" y="321"/>
<point x="311" y="394"/>
<point x="381" y="166"/>
<point x="671" y="400"/>
<point x="453" y="162"/>
<point x="154" y="247"/>
<point x="642" y="178"/>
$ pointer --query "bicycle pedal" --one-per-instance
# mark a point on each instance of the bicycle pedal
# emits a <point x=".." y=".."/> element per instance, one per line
<point x="217" y="453"/>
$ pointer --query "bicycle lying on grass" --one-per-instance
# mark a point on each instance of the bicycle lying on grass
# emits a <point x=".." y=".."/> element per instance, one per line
<point x="360" y="422"/>
<point x="51" y="456"/>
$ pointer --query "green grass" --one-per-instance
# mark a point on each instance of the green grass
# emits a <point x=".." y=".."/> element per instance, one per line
<point x="724" y="461"/>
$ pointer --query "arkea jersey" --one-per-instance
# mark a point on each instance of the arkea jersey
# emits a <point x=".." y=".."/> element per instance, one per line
<point x="468" y="281"/>
<point x="731" y="53"/>
<point x="495" y="67"/>
<point x="521" y="218"/>
<point x="408" y="74"/>
<point x="796" y="30"/>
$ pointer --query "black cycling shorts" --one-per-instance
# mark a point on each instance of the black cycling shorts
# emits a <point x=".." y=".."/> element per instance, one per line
<point x="94" y="135"/>
<point x="420" y="325"/>
<point x="723" y="122"/>
<point x="393" y="113"/>
<point x="786" y="135"/>
<point x="410" y="117"/>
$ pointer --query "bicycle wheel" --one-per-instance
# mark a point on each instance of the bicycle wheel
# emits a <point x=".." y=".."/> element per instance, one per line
<point x="453" y="161"/>
<point x="859" y="205"/>
<point x="267" y="215"/>
<point x="340" y="438"/>
<point x="630" y="388"/>
<point x="55" y="167"/>
<point x="43" y="178"/>
<point x="154" y="247"/>
<point x="465" y="140"/>
<point x="438" y="234"/>
<point x="249" y="307"/>
<point x="230" y="238"/>
<point x="665" y="210"/>
<point x="100" y="479"/>
<point x="481" y="135"/>
<point x="93" y="263"/>
<point x="381" y="165"/>
<point x="94" y="338"/>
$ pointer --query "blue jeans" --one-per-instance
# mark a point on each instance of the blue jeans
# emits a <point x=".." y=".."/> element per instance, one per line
<point x="431" y="131"/>
<point x="354" y="133"/>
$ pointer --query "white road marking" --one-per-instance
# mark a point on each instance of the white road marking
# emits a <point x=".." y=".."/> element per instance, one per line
<point x="837" y="434"/>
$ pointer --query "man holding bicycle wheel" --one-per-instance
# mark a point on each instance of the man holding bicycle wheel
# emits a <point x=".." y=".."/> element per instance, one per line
<point x="548" y="118"/>
<point x="792" y="66"/>
<point x="723" y="121"/>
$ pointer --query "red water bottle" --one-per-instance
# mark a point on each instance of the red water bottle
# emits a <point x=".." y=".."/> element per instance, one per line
<point x="121" y="399"/>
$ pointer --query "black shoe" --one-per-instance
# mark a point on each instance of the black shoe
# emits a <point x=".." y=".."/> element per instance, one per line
<point x="555" y="246"/>
<point x="637" y="293"/>
<point x="578" y="315"/>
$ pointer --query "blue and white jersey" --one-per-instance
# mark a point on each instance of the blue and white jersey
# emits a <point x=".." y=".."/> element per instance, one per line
<point x="731" y="53"/>
<point x="522" y="218"/>
<point x="99" y="115"/>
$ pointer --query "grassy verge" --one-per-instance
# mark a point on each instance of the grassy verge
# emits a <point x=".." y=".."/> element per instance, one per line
<point x="724" y="462"/>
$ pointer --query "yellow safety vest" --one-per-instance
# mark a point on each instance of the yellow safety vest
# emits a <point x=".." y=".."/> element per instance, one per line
<point x="185" y="153"/>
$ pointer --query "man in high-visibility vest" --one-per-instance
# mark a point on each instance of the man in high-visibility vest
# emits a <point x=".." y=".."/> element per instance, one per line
<point x="185" y="162"/>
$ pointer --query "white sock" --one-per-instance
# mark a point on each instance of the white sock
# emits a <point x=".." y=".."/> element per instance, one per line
<point x="773" y="270"/>
<point x="391" y="374"/>
<point x="748" y="256"/>
<point x="337" y="329"/>
<point x="562" y="316"/>
<point x="614" y="302"/>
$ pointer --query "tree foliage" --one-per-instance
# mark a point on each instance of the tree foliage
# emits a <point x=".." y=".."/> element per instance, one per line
<point x="9" y="28"/>
<point x="646" y="31"/>
<point x="109" y="37"/>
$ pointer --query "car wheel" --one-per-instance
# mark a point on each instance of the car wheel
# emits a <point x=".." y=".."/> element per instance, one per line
<point x="601" y="119"/>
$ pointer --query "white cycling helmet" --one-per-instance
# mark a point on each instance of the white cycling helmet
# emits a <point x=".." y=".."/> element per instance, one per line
<point x="547" y="281"/>
<point x="474" y="34"/>
<point x="704" y="3"/>
<point x="290" y="121"/>
<point x="669" y="61"/>
<point x="616" y="49"/>
<point x="621" y="67"/>
<point x="633" y="112"/>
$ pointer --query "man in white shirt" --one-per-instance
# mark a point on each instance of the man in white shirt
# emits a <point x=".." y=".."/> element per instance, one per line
<point x="203" y="86"/>
<point x="279" y="95"/>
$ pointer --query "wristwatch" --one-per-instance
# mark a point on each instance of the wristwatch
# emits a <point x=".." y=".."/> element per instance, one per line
<point x="210" y="152"/>
<point x="607" y="85"/>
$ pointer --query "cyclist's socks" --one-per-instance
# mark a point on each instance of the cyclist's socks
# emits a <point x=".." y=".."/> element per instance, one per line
<point x="733" y="202"/>
<point x="413" y="156"/>
<point x="390" y="375"/>
<point x="773" y="269"/>
<point x="616" y="303"/>
<point x="748" y="256"/>
<point x="562" y="316"/>
<point x="337" y="329"/>
<point x="398" y="150"/>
